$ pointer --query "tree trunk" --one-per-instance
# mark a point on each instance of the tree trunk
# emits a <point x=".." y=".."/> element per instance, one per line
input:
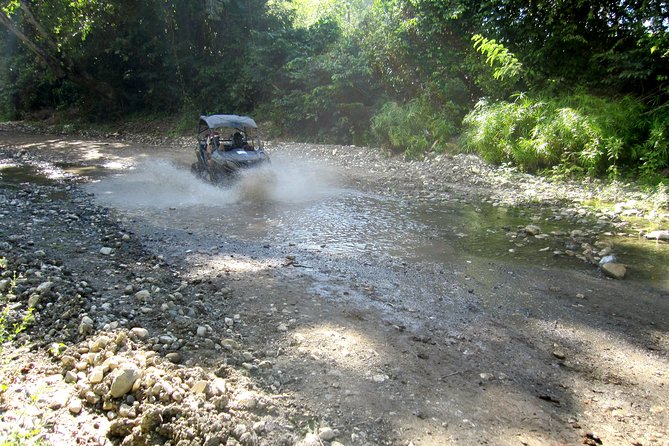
<point x="61" y="65"/>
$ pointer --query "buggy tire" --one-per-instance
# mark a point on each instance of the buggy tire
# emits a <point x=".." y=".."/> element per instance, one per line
<point x="199" y="171"/>
<point x="213" y="176"/>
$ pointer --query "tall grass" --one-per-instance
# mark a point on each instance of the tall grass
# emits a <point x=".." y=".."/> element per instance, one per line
<point x="416" y="127"/>
<point x="579" y="132"/>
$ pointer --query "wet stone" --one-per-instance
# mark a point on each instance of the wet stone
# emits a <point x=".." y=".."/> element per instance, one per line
<point x="614" y="270"/>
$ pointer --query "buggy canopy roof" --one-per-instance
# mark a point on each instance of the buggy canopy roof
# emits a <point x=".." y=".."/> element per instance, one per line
<point x="232" y="121"/>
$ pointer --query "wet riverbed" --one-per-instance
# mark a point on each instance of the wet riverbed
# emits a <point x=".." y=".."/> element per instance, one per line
<point x="313" y="210"/>
<point x="460" y="313"/>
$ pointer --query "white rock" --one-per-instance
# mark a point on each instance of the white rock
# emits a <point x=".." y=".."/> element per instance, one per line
<point x="310" y="439"/>
<point x="245" y="401"/>
<point x="217" y="387"/>
<point x="59" y="399"/>
<point x="614" y="270"/>
<point x="97" y="375"/>
<point x="327" y="434"/>
<point x="106" y="250"/>
<point x="657" y="235"/>
<point x="486" y="376"/>
<point x="379" y="378"/>
<point x="142" y="295"/>
<point x="532" y="230"/>
<point x="141" y="333"/>
<point x="44" y="287"/>
<point x="75" y="406"/>
<point x="201" y="331"/>
<point x="123" y="378"/>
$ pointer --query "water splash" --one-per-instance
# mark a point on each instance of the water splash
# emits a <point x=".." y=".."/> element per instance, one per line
<point x="287" y="181"/>
<point x="158" y="184"/>
<point x="162" y="184"/>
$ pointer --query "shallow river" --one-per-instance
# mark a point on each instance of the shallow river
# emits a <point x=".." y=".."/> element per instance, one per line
<point x="312" y="208"/>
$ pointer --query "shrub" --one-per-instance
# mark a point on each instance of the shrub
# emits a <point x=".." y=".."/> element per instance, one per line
<point x="578" y="131"/>
<point x="415" y="127"/>
<point x="653" y="152"/>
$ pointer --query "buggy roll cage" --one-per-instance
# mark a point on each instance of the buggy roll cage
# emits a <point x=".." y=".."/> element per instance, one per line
<point x="209" y="123"/>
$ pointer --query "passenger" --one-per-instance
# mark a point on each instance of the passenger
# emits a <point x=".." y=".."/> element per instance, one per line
<point x="238" y="141"/>
<point x="213" y="143"/>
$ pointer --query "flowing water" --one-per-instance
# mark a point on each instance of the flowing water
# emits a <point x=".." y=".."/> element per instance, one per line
<point x="311" y="209"/>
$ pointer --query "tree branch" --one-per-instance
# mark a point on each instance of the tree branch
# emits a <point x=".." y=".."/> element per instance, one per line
<point x="58" y="62"/>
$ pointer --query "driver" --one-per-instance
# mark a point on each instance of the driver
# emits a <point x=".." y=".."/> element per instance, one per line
<point x="213" y="143"/>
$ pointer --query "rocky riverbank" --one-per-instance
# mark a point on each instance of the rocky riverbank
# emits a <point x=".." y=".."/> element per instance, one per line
<point x="105" y="342"/>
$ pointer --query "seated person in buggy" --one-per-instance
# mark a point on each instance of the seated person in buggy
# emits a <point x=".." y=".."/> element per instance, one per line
<point x="238" y="142"/>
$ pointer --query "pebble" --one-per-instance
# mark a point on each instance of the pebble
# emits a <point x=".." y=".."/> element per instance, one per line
<point x="174" y="357"/>
<point x="379" y="378"/>
<point x="327" y="434"/>
<point x="532" y="230"/>
<point x="614" y="270"/>
<point x="230" y="344"/>
<point x="86" y="325"/>
<point x="123" y="379"/>
<point x="559" y="354"/>
<point x="141" y="333"/>
<point x="100" y="343"/>
<point x="44" y="287"/>
<point x="310" y="439"/>
<point x="106" y="250"/>
<point x="658" y="235"/>
<point x="59" y="399"/>
<point x="97" y="375"/>
<point x="75" y="406"/>
<point x="245" y="401"/>
<point x="142" y="295"/>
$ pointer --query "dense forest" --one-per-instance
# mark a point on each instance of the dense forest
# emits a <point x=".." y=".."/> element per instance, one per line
<point x="567" y="86"/>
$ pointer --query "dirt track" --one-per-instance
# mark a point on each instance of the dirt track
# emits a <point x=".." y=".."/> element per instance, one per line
<point x="372" y="348"/>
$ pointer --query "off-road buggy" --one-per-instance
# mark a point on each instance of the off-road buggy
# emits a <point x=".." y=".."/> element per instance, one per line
<point x="225" y="145"/>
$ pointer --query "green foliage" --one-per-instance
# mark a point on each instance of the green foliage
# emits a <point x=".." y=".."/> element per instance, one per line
<point x="347" y="13"/>
<point x="10" y="330"/>
<point x="328" y="96"/>
<point x="402" y="71"/>
<point x="653" y="153"/>
<point x="414" y="128"/>
<point x="579" y="131"/>
<point x="504" y="63"/>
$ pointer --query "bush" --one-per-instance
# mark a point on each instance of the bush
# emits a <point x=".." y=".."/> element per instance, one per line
<point x="415" y="127"/>
<point x="577" y="132"/>
<point x="653" y="152"/>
